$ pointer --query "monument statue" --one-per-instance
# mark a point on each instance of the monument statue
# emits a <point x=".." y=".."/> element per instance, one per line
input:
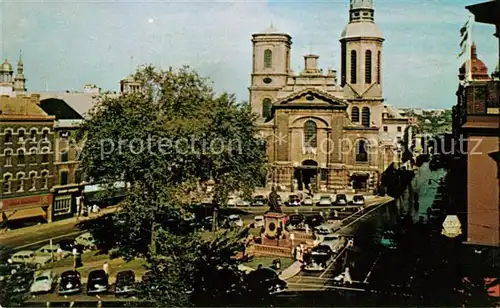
<point x="273" y="201"/>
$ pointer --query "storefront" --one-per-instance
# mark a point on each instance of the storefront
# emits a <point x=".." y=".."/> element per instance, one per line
<point x="65" y="202"/>
<point x="100" y="195"/>
<point x="26" y="207"/>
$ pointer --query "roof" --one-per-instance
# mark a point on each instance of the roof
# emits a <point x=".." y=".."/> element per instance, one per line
<point x="361" y="29"/>
<point x="327" y="99"/>
<point x="80" y="102"/>
<point x="59" y="108"/>
<point x="485" y="12"/>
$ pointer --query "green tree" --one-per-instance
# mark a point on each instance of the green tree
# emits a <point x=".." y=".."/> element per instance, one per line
<point x="164" y="141"/>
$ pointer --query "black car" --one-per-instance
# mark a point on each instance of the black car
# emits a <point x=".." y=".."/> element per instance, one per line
<point x="264" y="281"/>
<point x="70" y="282"/>
<point x="341" y="199"/>
<point x="21" y="282"/>
<point x="259" y="201"/>
<point x="125" y="282"/>
<point x="293" y="200"/>
<point x="358" y="200"/>
<point x="295" y="221"/>
<point x="97" y="282"/>
<point x="314" y="220"/>
<point x="68" y="245"/>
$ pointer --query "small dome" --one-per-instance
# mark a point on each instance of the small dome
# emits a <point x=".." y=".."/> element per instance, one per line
<point x="479" y="69"/>
<point x="6" y="67"/>
<point x="361" y="29"/>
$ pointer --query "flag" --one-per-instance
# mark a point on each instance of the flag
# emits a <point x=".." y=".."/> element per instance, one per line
<point x="464" y="28"/>
<point x="464" y="39"/>
<point x="464" y="36"/>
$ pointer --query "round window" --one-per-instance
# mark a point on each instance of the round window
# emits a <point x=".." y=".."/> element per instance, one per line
<point x="267" y="80"/>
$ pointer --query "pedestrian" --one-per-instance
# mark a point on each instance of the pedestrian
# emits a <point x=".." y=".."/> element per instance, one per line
<point x="74" y="252"/>
<point x="105" y="267"/>
<point x="59" y="253"/>
<point x="347" y="276"/>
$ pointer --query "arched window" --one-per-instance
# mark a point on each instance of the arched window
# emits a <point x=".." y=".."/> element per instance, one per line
<point x="365" y="117"/>
<point x="310" y="132"/>
<point x="7" y="183"/>
<point x="33" y="180"/>
<point x="361" y="151"/>
<point x="21" y="135"/>
<point x="266" y="108"/>
<point x="355" y="114"/>
<point x="379" y="62"/>
<point x="20" y="181"/>
<point x="45" y="179"/>
<point x="33" y="156"/>
<point x="45" y="134"/>
<point x="354" y="67"/>
<point x="268" y="58"/>
<point x="368" y="66"/>
<point x="20" y="157"/>
<point x="33" y="133"/>
<point x="8" y="136"/>
<point x="8" y="157"/>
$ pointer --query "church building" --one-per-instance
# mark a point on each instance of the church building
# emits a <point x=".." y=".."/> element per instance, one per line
<point x="320" y="131"/>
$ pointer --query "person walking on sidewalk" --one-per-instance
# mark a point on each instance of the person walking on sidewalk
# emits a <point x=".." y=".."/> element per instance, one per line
<point x="105" y="267"/>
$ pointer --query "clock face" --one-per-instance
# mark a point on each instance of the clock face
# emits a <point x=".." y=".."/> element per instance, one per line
<point x="267" y="80"/>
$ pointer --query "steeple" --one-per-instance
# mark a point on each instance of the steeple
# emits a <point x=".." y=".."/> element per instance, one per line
<point x="19" y="80"/>
<point x="361" y="10"/>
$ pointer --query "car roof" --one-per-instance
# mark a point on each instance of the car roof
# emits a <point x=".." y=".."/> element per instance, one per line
<point x="325" y="196"/>
<point x="70" y="272"/>
<point x="23" y="252"/>
<point x="126" y="273"/>
<point x="97" y="272"/>
<point x="234" y="216"/>
<point x="44" y="273"/>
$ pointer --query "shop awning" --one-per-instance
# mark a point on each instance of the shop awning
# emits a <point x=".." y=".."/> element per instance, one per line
<point x="96" y="192"/>
<point x="25" y="213"/>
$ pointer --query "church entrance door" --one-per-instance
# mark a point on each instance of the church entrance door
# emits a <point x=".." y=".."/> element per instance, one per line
<point x="360" y="181"/>
<point x="306" y="175"/>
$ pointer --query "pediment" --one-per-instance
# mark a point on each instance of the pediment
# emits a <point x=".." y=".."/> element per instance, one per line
<point x="311" y="97"/>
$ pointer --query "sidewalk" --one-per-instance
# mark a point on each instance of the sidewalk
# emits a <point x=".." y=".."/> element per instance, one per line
<point x="69" y="222"/>
<point x="291" y="271"/>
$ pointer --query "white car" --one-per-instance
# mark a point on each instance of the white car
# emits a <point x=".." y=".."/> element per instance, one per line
<point x="335" y="241"/>
<point x="29" y="257"/>
<point x="51" y="251"/>
<point x="44" y="282"/>
<point x="259" y="221"/>
<point x="234" y="221"/>
<point x="308" y="201"/>
<point x="325" y="201"/>
<point x="358" y="200"/>
<point x="86" y="240"/>
<point x="231" y="201"/>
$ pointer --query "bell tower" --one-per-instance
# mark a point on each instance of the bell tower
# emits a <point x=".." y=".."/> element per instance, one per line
<point x="20" y="80"/>
<point x="270" y="68"/>
<point x="361" y="47"/>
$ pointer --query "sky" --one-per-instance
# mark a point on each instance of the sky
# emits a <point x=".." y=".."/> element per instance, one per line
<point x="67" y="44"/>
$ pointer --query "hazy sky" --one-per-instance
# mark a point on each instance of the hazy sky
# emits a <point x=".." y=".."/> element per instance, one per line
<point x="67" y="44"/>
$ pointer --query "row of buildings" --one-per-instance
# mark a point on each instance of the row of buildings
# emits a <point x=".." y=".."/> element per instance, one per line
<point x="39" y="153"/>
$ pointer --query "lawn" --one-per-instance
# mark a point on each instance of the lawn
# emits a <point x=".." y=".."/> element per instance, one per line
<point x="268" y="261"/>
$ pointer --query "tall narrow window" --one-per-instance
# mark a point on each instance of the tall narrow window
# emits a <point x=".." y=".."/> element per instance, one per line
<point x="355" y="115"/>
<point x="354" y="67"/>
<point x="8" y="136"/>
<point x="365" y="117"/>
<point x="310" y="134"/>
<point x="20" y="157"/>
<point x="45" y="179"/>
<point x="45" y="135"/>
<point x="33" y="181"/>
<point x="20" y="182"/>
<point x="20" y="135"/>
<point x="266" y="108"/>
<point x="268" y="58"/>
<point x="33" y="134"/>
<point x="368" y="66"/>
<point x="33" y="156"/>
<point x="6" y="183"/>
<point x="64" y="156"/>
<point x="361" y="151"/>
<point x="64" y="177"/>
<point x="378" y="66"/>
<point x="8" y="158"/>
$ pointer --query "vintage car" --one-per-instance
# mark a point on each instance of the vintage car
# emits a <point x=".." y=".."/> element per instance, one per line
<point x="125" y="283"/>
<point x="293" y="200"/>
<point x="29" y="257"/>
<point x="97" y="282"/>
<point x="86" y="240"/>
<point x="44" y="282"/>
<point x="324" y="201"/>
<point x="233" y="221"/>
<point x="70" y="282"/>
<point x="335" y="241"/>
<point x="319" y="258"/>
<point x="358" y="200"/>
<point x="51" y="251"/>
<point x="340" y="200"/>
<point x="258" y="221"/>
<point x="308" y="201"/>
<point x="259" y="200"/>
<point x="264" y="281"/>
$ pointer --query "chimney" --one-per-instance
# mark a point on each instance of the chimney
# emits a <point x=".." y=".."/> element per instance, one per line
<point x="311" y="64"/>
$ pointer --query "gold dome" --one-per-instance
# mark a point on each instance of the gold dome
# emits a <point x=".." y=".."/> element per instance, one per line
<point x="6" y="67"/>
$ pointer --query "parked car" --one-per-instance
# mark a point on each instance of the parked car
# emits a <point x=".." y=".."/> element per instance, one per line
<point x="293" y="200"/>
<point x="308" y="201"/>
<point x="258" y="221"/>
<point x="233" y="221"/>
<point x="22" y="282"/>
<point x="231" y="201"/>
<point x="51" y="251"/>
<point x="341" y="199"/>
<point x="335" y="241"/>
<point x="86" y="240"/>
<point x="314" y="220"/>
<point x="242" y="202"/>
<point x="125" y="283"/>
<point x="324" y="201"/>
<point x="70" y="282"/>
<point x="264" y="282"/>
<point x="29" y="257"/>
<point x="44" y="282"/>
<point x="97" y="282"/>
<point x="358" y="200"/>
<point x="259" y="200"/>
<point x="326" y="229"/>
<point x="208" y="222"/>
<point x="319" y="258"/>
<point x="68" y="245"/>
<point x="295" y="221"/>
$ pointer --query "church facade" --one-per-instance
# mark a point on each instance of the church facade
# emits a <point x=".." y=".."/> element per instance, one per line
<point x="322" y="132"/>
